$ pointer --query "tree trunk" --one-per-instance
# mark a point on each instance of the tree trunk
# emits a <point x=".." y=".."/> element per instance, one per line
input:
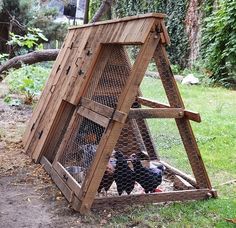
<point x="193" y="28"/>
<point x="103" y="9"/>
<point x="86" y="13"/>
<point x="30" y="58"/>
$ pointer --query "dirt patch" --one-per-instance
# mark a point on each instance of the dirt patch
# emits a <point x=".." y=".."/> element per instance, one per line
<point x="28" y="197"/>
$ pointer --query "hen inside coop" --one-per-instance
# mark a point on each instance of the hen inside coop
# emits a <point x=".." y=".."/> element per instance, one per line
<point x="138" y="164"/>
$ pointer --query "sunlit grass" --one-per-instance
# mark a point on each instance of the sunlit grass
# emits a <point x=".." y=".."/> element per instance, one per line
<point x="216" y="137"/>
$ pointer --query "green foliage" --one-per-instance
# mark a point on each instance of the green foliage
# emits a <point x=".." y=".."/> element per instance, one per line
<point x="31" y="40"/>
<point x="219" y="43"/>
<point x="178" y="50"/>
<point x="11" y="101"/>
<point x="43" y="18"/>
<point x="176" y="12"/>
<point x="3" y="58"/>
<point x="28" y="81"/>
<point x="30" y="14"/>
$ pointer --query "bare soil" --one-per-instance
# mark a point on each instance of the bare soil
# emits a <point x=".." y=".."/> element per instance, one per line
<point x="28" y="197"/>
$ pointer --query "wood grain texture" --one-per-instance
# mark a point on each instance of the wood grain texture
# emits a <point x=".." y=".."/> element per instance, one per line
<point x="183" y="124"/>
<point x="183" y="195"/>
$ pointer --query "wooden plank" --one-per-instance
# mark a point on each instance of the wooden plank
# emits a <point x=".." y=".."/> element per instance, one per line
<point x="45" y="96"/>
<point x="72" y="127"/>
<point x="183" y="195"/>
<point x="47" y="115"/>
<point x="136" y="113"/>
<point x="109" y="139"/>
<point x="46" y="164"/>
<point x="146" y="134"/>
<point x="154" y="104"/>
<point x="183" y="124"/>
<point x="66" y="191"/>
<point x="165" y="33"/>
<point x="98" y="64"/>
<point x="52" y="103"/>
<point x="147" y="139"/>
<point x="138" y="135"/>
<point x="124" y="19"/>
<point x="181" y="184"/>
<point x="94" y="116"/>
<point x="103" y="110"/>
<point x="52" y="109"/>
<point x="176" y="171"/>
<point x="67" y="178"/>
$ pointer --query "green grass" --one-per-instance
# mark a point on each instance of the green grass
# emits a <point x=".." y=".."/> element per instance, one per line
<point x="216" y="137"/>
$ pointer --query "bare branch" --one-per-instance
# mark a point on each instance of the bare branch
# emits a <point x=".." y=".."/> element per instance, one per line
<point x="104" y="7"/>
<point x="30" y="58"/>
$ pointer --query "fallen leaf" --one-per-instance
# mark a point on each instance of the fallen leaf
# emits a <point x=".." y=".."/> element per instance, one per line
<point x="231" y="220"/>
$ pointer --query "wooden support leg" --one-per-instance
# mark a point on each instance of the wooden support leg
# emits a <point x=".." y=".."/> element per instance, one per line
<point x="183" y="124"/>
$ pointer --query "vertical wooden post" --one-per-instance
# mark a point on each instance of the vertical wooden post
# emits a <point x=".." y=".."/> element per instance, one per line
<point x="183" y="124"/>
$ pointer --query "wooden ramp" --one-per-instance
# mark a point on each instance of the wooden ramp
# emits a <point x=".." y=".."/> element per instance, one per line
<point x="92" y="106"/>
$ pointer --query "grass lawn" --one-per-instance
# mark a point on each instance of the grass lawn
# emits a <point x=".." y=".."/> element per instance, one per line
<point x="216" y="136"/>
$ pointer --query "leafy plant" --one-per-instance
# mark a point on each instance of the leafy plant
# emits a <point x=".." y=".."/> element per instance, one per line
<point x="3" y="58"/>
<point x="32" y="39"/>
<point x="219" y="43"/>
<point x="10" y="101"/>
<point x="176" y="12"/>
<point x="28" y="81"/>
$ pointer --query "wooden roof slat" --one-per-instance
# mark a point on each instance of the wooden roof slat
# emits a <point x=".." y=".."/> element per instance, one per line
<point x="130" y="18"/>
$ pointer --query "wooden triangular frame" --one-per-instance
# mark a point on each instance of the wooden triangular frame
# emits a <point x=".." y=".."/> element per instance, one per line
<point x="71" y="103"/>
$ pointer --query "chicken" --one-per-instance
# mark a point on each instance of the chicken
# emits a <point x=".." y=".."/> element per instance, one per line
<point x="108" y="177"/>
<point x="123" y="175"/>
<point x="148" y="178"/>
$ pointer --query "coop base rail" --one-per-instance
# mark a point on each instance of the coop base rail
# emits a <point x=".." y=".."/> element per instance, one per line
<point x="194" y="116"/>
<point x="183" y="195"/>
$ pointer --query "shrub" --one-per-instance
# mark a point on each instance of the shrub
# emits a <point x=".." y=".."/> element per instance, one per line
<point x="28" y="81"/>
<point x="219" y="43"/>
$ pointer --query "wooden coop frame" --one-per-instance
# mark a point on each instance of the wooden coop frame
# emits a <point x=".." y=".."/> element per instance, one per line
<point x="77" y="70"/>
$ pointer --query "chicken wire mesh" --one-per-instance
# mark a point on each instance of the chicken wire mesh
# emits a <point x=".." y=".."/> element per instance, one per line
<point x="134" y="166"/>
<point x="81" y="149"/>
<point x="105" y="88"/>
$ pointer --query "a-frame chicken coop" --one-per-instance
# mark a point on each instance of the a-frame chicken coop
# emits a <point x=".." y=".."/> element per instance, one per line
<point x="92" y="108"/>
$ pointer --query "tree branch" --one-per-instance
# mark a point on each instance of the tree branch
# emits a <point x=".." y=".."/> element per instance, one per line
<point x="30" y="58"/>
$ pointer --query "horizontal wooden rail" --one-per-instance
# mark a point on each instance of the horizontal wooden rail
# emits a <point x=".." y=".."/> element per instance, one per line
<point x="93" y="116"/>
<point x="186" y="177"/>
<point x="137" y="113"/>
<point x="182" y="195"/>
<point x="194" y="116"/>
<point x="67" y="177"/>
<point x="103" y="110"/>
